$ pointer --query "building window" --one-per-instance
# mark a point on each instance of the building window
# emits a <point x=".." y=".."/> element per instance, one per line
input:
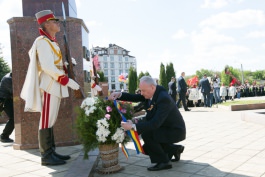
<point x="106" y="72"/>
<point x="119" y="51"/>
<point x="126" y="65"/>
<point x="111" y="65"/>
<point x="120" y="72"/>
<point x="127" y="71"/>
<point x="111" y="58"/>
<point x="124" y="53"/>
<point x="111" y="51"/>
<point x="105" y="65"/>
<point x="112" y="72"/>
<point x="126" y="58"/>
<point x="113" y="86"/>
<point x="120" y="65"/>
<point x="120" y="58"/>
<point x="105" y="58"/>
<point x="112" y="79"/>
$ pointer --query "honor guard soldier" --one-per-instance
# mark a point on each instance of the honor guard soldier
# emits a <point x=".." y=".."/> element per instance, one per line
<point x="46" y="84"/>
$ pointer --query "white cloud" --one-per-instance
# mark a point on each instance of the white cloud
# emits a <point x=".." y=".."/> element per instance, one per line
<point x="256" y="34"/>
<point x="216" y="4"/>
<point x="152" y="61"/>
<point x="93" y="23"/>
<point x="263" y="45"/>
<point x="11" y="9"/>
<point x="180" y="34"/>
<point x="207" y="38"/>
<point x="239" y="19"/>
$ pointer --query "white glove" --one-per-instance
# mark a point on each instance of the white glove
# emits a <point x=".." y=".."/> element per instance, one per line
<point x="98" y="88"/>
<point x="72" y="84"/>
<point x="73" y="61"/>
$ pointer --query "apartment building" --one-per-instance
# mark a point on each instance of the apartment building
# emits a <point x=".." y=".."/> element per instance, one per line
<point x="114" y="61"/>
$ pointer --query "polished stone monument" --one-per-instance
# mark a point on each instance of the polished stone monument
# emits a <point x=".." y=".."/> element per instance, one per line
<point x="23" y="31"/>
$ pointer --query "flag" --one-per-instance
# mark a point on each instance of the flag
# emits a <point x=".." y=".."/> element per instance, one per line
<point x="125" y="151"/>
<point x="131" y="133"/>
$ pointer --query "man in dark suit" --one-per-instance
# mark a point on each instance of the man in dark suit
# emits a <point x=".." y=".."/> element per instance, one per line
<point x="182" y="90"/>
<point x="172" y="88"/>
<point x="6" y="97"/>
<point x="163" y="124"/>
<point x="205" y="89"/>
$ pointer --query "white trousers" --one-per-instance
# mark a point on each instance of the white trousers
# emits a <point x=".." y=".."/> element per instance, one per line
<point x="50" y="109"/>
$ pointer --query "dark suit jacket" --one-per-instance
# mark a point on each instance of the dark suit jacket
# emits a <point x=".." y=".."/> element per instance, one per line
<point x="205" y="85"/>
<point x="163" y="118"/>
<point x="182" y="86"/>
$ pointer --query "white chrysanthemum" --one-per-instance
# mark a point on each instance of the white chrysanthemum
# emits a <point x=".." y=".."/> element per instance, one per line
<point x="102" y="134"/>
<point x="87" y="112"/>
<point x="103" y="122"/>
<point x="118" y="135"/>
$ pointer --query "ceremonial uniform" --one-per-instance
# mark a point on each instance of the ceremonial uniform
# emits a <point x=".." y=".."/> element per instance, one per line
<point x="46" y="83"/>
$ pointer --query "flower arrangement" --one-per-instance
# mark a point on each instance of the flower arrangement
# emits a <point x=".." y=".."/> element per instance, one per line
<point x="98" y="122"/>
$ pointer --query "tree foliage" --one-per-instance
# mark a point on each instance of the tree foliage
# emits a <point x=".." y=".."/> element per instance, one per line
<point x="170" y="72"/>
<point x="101" y="75"/>
<point x="259" y="74"/>
<point x="200" y="73"/>
<point x="162" y="76"/>
<point x="4" y="68"/>
<point x="132" y="82"/>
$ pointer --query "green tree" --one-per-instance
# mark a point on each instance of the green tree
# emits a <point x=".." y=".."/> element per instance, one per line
<point x="4" y="68"/>
<point x="162" y="76"/>
<point x="141" y="74"/>
<point x="258" y="74"/>
<point x="201" y="72"/>
<point x="170" y="72"/>
<point x="147" y="74"/>
<point x="132" y="80"/>
<point x="101" y="75"/>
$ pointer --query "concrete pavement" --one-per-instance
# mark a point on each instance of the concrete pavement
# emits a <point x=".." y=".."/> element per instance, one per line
<point x="218" y="144"/>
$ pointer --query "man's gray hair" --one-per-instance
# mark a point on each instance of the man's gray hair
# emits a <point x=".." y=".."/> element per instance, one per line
<point x="148" y="80"/>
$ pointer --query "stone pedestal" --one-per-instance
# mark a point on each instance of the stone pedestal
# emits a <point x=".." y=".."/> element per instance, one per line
<point x="23" y="31"/>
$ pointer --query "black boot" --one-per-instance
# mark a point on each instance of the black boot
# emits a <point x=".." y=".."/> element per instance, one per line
<point x="63" y="157"/>
<point x="6" y="139"/>
<point x="176" y="151"/>
<point x="45" y="145"/>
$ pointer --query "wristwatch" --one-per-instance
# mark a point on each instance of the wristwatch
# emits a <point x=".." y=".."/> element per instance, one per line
<point x="134" y="127"/>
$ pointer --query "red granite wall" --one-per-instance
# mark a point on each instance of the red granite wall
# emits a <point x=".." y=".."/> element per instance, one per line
<point x="23" y="31"/>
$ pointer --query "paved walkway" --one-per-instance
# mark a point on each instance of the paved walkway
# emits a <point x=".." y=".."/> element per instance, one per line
<point x="218" y="144"/>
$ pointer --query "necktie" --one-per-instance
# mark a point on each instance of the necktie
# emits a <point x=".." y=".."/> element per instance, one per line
<point x="149" y="102"/>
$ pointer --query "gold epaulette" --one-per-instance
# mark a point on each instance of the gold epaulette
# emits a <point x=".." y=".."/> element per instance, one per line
<point x="59" y="54"/>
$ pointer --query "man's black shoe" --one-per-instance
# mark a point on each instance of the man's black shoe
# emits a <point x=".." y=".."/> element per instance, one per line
<point x="62" y="157"/>
<point x="6" y="140"/>
<point x="187" y="110"/>
<point x="177" y="153"/>
<point x="160" y="166"/>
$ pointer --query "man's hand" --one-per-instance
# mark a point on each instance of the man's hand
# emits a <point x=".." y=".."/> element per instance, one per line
<point x="127" y="125"/>
<point x="72" y="84"/>
<point x="114" y="95"/>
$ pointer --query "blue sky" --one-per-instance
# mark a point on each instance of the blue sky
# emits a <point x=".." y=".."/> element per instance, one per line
<point x="192" y="34"/>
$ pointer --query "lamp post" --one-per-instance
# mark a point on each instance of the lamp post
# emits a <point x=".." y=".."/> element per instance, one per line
<point x="242" y="73"/>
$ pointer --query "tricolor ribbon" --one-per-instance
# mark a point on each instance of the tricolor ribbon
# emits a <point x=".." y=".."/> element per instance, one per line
<point x="131" y="133"/>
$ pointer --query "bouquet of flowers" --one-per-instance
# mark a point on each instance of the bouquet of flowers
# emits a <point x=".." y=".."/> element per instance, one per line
<point x="99" y="122"/>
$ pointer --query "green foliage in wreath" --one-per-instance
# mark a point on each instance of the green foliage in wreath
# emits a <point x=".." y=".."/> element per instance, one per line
<point x="99" y="122"/>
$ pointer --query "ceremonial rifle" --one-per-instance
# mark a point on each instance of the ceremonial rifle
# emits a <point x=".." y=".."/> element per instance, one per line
<point x="100" y="93"/>
<point x="77" y="93"/>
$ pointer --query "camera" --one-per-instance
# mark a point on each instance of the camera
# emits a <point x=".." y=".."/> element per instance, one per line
<point x="214" y="79"/>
